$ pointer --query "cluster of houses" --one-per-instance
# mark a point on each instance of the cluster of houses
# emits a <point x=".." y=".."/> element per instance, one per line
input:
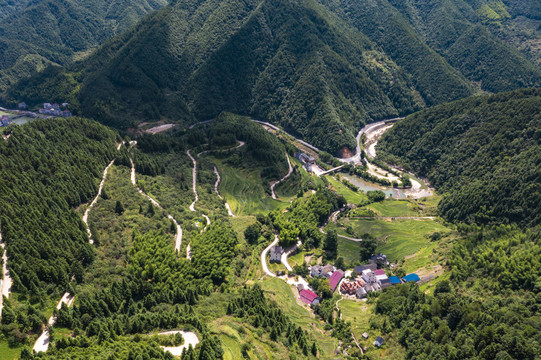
<point x="54" y="109"/>
<point x="5" y="121"/>
<point x="328" y="271"/>
<point x="306" y="160"/>
<point x="370" y="277"/>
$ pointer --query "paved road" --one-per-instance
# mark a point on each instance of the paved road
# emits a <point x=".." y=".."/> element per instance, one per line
<point x="274" y="183"/>
<point x="288" y="252"/>
<point x="264" y="256"/>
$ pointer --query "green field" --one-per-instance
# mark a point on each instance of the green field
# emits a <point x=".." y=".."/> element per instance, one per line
<point x="282" y="294"/>
<point x="8" y="353"/>
<point x="391" y="207"/>
<point x="397" y="238"/>
<point x="352" y="197"/>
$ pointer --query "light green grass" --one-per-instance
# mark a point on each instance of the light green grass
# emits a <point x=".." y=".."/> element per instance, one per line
<point x="391" y="207"/>
<point x="352" y="197"/>
<point x="281" y="292"/>
<point x="398" y="238"/>
<point x="8" y="353"/>
<point x="243" y="190"/>
<point x="359" y="313"/>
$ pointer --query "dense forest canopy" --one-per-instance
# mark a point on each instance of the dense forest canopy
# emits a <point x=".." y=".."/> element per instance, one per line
<point x="483" y="153"/>
<point x="49" y="168"/>
<point x="321" y="70"/>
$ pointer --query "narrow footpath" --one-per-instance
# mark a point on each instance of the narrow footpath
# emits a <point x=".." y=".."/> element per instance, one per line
<point x="216" y="184"/>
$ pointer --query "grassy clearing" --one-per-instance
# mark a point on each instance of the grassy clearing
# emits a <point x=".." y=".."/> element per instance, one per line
<point x="281" y="292"/>
<point x="350" y="251"/>
<point x="352" y="197"/>
<point x="8" y="353"/>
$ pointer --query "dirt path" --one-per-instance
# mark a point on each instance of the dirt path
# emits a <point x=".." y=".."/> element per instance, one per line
<point x="274" y="183"/>
<point x="178" y="237"/>
<point x="85" y="215"/>
<point x="194" y="180"/>
<point x="6" y="282"/>
<point x="216" y="184"/>
<point x="190" y="338"/>
<point x="42" y="343"/>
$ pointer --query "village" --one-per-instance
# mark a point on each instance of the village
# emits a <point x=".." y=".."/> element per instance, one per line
<point x="352" y="284"/>
<point x="22" y="115"/>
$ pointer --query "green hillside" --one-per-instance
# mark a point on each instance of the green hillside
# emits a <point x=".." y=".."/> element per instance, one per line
<point x="49" y="31"/>
<point x="482" y="152"/>
<point x="319" y="69"/>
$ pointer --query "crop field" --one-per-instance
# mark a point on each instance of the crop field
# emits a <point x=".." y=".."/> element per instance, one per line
<point x="390" y="207"/>
<point x="243" y="190"/>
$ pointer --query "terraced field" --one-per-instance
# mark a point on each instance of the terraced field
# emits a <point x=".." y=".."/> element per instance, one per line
<point x="244" y="191"/>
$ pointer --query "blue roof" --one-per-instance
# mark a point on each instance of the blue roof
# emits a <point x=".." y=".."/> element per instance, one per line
<point x="411" y="277"/>
<point x="395" y="280"/>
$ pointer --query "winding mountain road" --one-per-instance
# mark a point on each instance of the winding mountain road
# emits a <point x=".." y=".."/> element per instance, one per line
<point x="178" y="237"/>
<point x="216" y="184"/>
<point x="274" y="183"/>
<point x="264" y="256"/>
<point x="100" y="188"/>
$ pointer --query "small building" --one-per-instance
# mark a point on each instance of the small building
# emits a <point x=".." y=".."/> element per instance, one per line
<point x="360" y="293"/>
<point x="308" y="297"/>
<point x="369" y="277"/>
<point x="368" y="288"/>
<point x="307" y="167"/>
<point x="365" y="335"/>
<point x="385" y="283"/>
<point x="379" y="272"/>
<point x="335" y="279"/>
<point x="22" y="106"/>
<point x="276" y="254"/>
<point x="411" y="277"/>
<point x="395" y="280"/>
<point x="300" y="287"/>
<point x="380" y="260"/>
<point x="56" y="106"/>
<point x="316" y="270"/>
<point x="359" y="269"/>
<point x="66" y="113"/>
<point x="327" y="270"/>
<point x="379" y="341"/>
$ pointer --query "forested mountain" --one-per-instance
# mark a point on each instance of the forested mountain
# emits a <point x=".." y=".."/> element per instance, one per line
<point x="484" y="153"/>
<point x="40" y="32"/>
<point x="48" y="168"/>
<point x="319" y="69"/>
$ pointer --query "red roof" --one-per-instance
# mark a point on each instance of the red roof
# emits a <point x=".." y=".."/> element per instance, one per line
<point x="335" y="278"/>
<point x="307" y="296"/>
<point x="379" y="272"/>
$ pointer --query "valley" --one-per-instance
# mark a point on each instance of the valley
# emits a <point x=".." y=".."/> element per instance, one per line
<point x="270" y="179"/>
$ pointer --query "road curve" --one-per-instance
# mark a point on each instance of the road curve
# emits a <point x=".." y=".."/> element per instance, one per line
<point x="42" y="343"/>
<point x="190" y="338"/>
<point x="264" y="256"/>
<point x="100" y="188"/>
<point x="274" y="183"/>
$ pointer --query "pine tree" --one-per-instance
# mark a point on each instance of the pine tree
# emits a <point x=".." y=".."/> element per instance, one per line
<point x="119" y="209"/>
<point x="314" y="349"/>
